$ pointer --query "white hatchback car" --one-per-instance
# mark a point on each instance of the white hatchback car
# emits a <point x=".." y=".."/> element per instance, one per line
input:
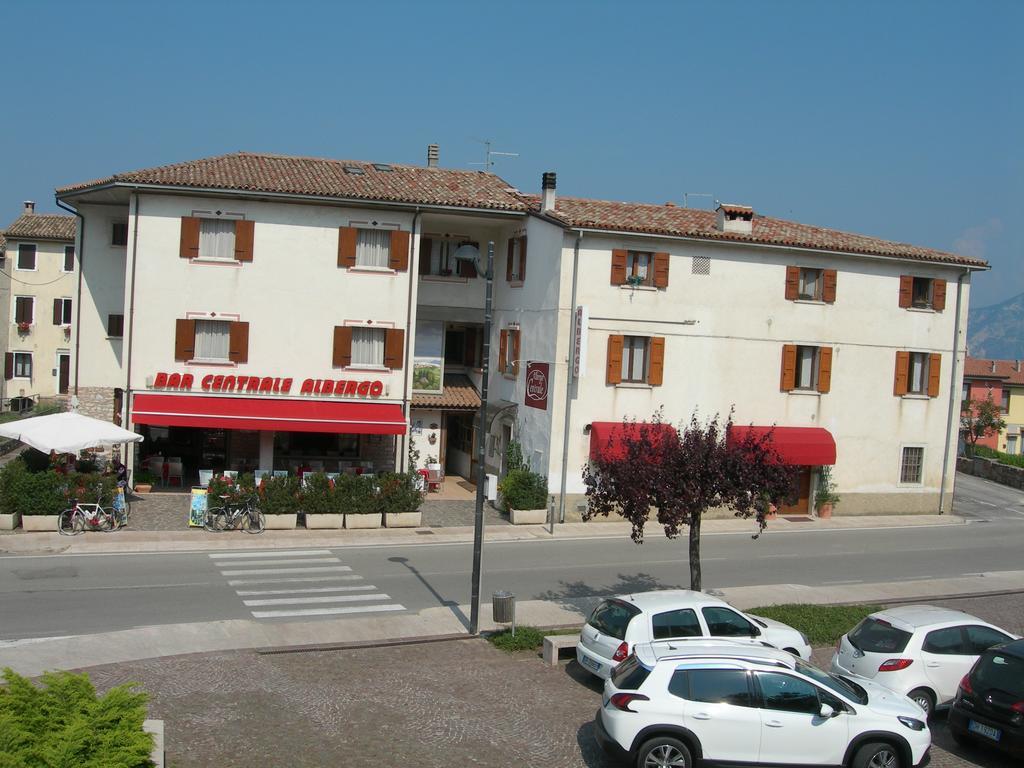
<point x="619" y="623"/>
<point x="919" y="650"/>
<point x="709" y="702"/>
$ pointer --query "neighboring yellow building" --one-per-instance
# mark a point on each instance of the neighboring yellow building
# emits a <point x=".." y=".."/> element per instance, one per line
<point x="1011" y="439"/>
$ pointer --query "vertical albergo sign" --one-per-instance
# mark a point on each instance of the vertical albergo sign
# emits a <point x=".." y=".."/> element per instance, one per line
<point x="537" y="385"/>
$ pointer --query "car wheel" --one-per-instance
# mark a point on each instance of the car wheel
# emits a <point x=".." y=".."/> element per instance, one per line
<point x="664" y="752"/>
<point x="877" y="755"/>
<point x="923" y="698"/>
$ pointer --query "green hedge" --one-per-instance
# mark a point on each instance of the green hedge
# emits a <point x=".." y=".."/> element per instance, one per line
<point x="523" y="489"/>
<point x="1010" y="459"/>
<point x="47" y="492"/>
<point x="823" y="624"/>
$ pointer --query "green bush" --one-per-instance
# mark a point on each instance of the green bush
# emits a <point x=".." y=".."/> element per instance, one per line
<point x="280" y="495"/>
<point x="317" y="497"/>
<point x="397" y="492"/>
<point x="1010" y="459"/>
<point x="523" y="489"/>
<point x="242" y="489"/>
<point x="145" y="477"/>
<point x="64" y="724"/>
<point x="41" y="493"/>
<point x="356" y="495"/>
<point x="823" y="624"/>
<point x="526" y="639"/>
<point x="11" y="476"/>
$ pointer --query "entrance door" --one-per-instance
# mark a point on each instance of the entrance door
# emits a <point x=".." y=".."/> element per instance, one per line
<point x="63" y="372"/>
<point x="803" y="499"/>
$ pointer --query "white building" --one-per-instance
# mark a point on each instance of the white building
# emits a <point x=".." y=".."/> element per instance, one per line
<point x="280" y="312"/>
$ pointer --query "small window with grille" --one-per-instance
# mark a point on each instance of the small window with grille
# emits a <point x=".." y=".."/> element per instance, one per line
<point x="912" y="465"/>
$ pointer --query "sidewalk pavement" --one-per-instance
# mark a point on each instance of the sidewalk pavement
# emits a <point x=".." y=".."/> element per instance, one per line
<point x="197" y="539"/>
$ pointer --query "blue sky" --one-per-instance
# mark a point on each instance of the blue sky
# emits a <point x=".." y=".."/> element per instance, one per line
<point x="901" y="120"/>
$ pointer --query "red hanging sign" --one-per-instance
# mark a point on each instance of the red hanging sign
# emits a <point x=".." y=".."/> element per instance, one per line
<point x="537" y="385"/>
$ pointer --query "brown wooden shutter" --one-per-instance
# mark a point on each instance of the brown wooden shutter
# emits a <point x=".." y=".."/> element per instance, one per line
<point x="613" y="373"/>
<point x="824" y="369"/>
<point x="244" y="231"/>
<point x="189" y="237"/>
<point x="619" y="259"/>
<point x="502" y="350"/>
<point x="347" y="239"/>
<point x="20" y="310"/>
<point x="469" y="348"/>
<point x="468" y="268"/>
<point x="934" y="370"/>
<point x="342" y="355"/>
<point x="792" y="283"/>
<point x="184" y="339"/>
<point x="522" y="258"/>
<point x="426" y="246"/>
<point x="394" y="348"/>
<point x="511" y="256"/>
<point x="8" y="365"/>
<point x="828" y="293"/>
<point x="661" y="270"/>
<point x="58" y="311"/>
<point x="906" y="290"/>
<point x="238" y="342"/>
<point x="938" y="295"/>
<point x="902" y="373"/>
<point x="516" y="337"/>
<point x="656" y="370"/>
<point x="399" y="257"/>
<point x="788" y="379"/>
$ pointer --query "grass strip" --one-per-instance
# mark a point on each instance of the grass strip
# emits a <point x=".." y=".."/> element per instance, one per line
<point x="823" y="624"/>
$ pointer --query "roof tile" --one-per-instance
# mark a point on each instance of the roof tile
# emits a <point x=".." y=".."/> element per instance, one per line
<point x="458" y="393"/>
<point x="1010" y="371"/>
<point x="42" y="226"/>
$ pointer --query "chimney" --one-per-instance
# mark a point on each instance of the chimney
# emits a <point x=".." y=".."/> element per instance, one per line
<point x="30" y="207"/>
<point x="735" y="218"/>
<point x="993" y="366"/>
<point x="547" y="191"/>
<point x="433" y="155"/>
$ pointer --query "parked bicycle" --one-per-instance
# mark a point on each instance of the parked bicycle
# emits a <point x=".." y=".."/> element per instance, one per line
<point x="245" y="514"/>
<point x="84" y="516"/>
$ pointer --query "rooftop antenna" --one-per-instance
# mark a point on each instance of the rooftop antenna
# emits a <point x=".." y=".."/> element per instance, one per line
<point x="688" y="195"/>
<point x="490" y="154"/>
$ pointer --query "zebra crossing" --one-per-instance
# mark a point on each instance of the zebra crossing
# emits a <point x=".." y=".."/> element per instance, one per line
<point x="299" y="584"/>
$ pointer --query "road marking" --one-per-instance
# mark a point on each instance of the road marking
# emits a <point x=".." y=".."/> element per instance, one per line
<point x="296" y="561"/>
<point x="292" y="553"/>
<point x="327" y="611"/>
<point x="244" y="582"/>
<point x="249" y="592"/>
<point x="845" y="581"/>
<point x="312" y="600"/>
<point x="271" y="571"/>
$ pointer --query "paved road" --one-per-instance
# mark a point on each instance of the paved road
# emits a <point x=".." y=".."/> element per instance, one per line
<point x="58" y="595"/>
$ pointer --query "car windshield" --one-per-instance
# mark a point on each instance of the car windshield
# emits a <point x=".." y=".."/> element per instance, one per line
<point x="837" y="684"/>
<point x="878" y="636"/>
<point x="1001" y="672"/>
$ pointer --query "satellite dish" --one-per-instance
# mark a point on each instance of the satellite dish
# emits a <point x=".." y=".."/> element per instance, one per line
<point x="467" y="252"/>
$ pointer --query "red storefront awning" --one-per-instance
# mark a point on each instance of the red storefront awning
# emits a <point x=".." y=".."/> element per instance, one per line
<point x="798" y="446"/>
<point x="606" y="437"/>
<point x="268" y="414"/>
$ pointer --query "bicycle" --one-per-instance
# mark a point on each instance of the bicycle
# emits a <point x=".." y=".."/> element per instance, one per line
<point x="84" y="516"/>
<point x="244" y="514"/>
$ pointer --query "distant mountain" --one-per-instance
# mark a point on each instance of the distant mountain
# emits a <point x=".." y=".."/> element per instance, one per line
<point x="998" y="331"/>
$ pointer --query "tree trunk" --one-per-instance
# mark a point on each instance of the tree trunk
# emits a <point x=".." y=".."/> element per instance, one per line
<point x="695" y="552"/>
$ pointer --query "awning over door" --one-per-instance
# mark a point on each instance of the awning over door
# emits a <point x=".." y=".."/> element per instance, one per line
<point x="798" y="446"/>
<point x="268" y="414"/>
<point x="606" y="437"/>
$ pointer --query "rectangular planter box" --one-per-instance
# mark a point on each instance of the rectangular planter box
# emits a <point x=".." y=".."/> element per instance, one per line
<point x="403" y="519"/>
<point x="324" y="521"/>
<point x="39" y="522"/>
<point x="282" y="522"/>
<point x="528" y="516"/>
<point x="362" y="521"/>
<point x="10" y="522"/>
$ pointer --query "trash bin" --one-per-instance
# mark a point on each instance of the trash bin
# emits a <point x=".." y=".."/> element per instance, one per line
<point x="503" y="607"/>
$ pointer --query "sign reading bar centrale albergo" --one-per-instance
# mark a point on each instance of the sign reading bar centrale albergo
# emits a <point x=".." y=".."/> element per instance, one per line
<point x="268" y="385"/>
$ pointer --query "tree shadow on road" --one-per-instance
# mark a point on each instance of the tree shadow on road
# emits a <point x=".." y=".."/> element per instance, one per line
<point x="451" y="604"/>
<point x="577" y="594"/>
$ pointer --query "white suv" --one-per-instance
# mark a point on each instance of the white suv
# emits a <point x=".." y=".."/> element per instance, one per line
<point x="723" y="703"/>
<point x="619" y="623"/>
<point x="919" y="650"/>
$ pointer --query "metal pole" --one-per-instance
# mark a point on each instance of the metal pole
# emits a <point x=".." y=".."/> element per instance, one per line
<point x="478" y="521"/>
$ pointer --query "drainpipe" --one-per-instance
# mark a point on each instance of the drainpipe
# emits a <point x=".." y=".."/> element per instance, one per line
<point x="413" y="270"/>
<point x="126" y="398"/>
<point x="81" y="271"/>
<point x="568" y="380"/>
<point x="952" y="391"/>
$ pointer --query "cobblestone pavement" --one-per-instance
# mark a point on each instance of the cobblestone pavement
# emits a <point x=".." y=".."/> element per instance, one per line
<point x="435" y="704"/>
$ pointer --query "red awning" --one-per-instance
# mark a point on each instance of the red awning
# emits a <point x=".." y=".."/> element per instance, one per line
<point x="269" y="414"/>
<point x="799" y="446"/>
<point x="606" y="437"/>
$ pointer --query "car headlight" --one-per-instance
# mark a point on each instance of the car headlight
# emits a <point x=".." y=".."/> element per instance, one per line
<point x="807" y="640"/>
<point x="912" y="723"/>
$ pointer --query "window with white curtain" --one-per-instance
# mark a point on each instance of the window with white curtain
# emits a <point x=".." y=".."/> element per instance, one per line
<point x="634" y="358"/>
<point x="373" y="248"/>
<point x="807" y="367"/>
<point x="917" y="379"/>
<point x="368" y="347"/>
<point x="212" y="339"/>
<point x="217" y="239"/>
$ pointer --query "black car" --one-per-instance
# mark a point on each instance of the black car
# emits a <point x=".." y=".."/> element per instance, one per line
<point x="989" y="706"/>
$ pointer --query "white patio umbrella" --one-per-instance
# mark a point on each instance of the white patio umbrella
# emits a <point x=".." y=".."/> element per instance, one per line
<point x="67" y="432"/>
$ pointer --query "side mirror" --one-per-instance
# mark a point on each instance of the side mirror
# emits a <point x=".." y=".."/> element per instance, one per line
<point x="826" y="712"/>
<point x="754" y="631"/>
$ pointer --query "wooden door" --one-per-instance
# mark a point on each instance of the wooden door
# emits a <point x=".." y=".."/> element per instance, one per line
<point x="63" y="373"/>
<point x="803" y="501"/>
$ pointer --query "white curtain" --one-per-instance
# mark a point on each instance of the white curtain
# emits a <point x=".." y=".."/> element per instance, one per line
<point x="216" y="239"/>
<point x="917" y="372"/>
<point x="368" y="346"/>
<point x="810" y="283"/>
<point x="805" y="368"/>
<point x="634" y="363"/>
<point x="212" y="339"/>
<point x="373" y="249"/>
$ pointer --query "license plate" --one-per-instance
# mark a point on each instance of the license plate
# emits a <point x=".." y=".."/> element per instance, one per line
<point x="984" y="730"/>
<point x="589" y="662"/>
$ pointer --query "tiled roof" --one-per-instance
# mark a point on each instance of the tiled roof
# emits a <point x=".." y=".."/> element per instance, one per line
<point x="42" y="226"/>
<point x="691" y="222"/>
<point x="250" y="172"/>
<point x="1006" y="370"/>
<point x="459" y="393"/>
<point x="3" y="243"/>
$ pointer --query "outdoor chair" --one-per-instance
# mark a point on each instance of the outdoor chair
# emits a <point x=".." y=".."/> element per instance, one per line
<point x="280" y="473"/>
<point x="173" y="469"/>
<point x="205" y="476"/>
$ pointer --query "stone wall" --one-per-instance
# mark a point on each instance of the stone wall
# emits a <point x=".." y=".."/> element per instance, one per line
<point x="97" y="402"/>
<point x="991" y="469"/>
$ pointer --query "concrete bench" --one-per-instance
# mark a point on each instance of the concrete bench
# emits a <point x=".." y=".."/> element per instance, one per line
<point x="555" y="644"/>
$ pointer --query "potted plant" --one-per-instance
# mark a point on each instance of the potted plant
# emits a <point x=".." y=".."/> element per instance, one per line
<point x="825" y="497"/>
<point x="400" y="499"/>
<point x="358" y="497"/>
<point x="279" y="500"/>
<point x="24" y="327"/>
<point x="319" y="502"/>
<point x="524" y="495"/>
<point x="144" y="481"/>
